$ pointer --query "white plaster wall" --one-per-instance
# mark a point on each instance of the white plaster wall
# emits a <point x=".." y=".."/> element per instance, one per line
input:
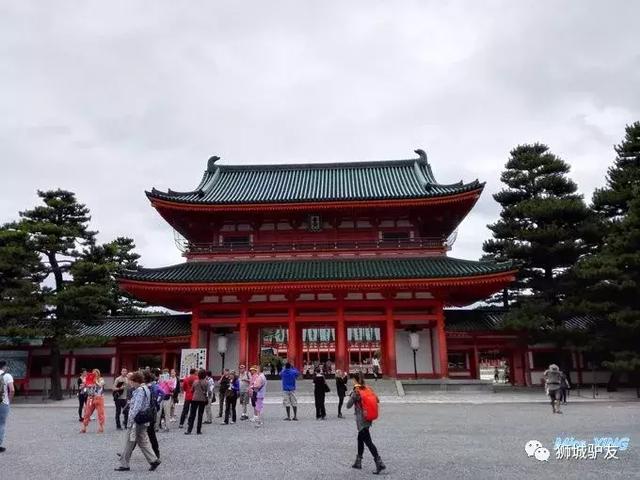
<point x="404" y="354"/>
<point x="231" y="357"/>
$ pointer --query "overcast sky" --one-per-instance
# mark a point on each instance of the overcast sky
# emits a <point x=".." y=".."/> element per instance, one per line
<point x="108" y="99"/>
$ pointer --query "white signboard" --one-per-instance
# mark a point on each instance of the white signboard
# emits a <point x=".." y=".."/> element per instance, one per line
<point x="192" y="358"/>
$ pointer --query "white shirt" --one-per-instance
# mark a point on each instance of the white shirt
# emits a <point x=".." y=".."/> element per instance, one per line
<point x="375" y="362"/>
<point x="7" y="380"/>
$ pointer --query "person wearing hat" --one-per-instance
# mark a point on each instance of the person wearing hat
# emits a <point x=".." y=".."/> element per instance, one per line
<point x="553" y="381"/>
<point x="244" y="377"/>
<point x="258" y="388"/>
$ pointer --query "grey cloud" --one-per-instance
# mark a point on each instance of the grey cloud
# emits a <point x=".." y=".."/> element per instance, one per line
<point x="114" y="98"/>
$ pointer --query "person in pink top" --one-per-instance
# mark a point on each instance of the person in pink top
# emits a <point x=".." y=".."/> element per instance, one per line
<point x="258" y="389"/>
<point x="167" y="385"/>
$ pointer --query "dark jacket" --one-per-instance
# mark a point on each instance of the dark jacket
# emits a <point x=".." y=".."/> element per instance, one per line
<point x="341" y="386"/>
<point x="318" y="384"/>
<point x="224" y="384"/>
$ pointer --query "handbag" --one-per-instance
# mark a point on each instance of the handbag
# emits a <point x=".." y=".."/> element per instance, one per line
<point x="149" y="414"/>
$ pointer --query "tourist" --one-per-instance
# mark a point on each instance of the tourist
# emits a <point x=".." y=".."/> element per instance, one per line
<point x="375" y="362"/>
<point x="156" y="395"/>
<point x="199" y="400"/>
<point x="232" y="398"/>
<point x="553" y="379"/>
<point x="211" y="397"/>
<point x="136" y="433"/>
<point x="175" y="397"/>
<point x="362" y="424"/>
<point x="6" y="397"/>
<point x="82" y="393"/>
<point x="320" y="388"/>
<point x="341" y="389"/>
<point x="222" y="390"/>
<point x="187" y="388"/>
<point x="95" y="400"/>
<point x="289" y="400"/>
<point x="120" y="387"/>
<point x="564" y="388"/>
<point x="496" y="375"/>
<point x="167" y="386"/>
<point x="258" y="390"/>
<point x="244" y="378"/>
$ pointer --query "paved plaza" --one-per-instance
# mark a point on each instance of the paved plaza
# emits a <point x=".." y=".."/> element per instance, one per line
<point x="415" y="440"/>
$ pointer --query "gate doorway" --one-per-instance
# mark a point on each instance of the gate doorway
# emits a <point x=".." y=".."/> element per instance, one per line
<point x="363" y="343"/>
<point x="273" y="350"/>
<point x="318" y="350"/>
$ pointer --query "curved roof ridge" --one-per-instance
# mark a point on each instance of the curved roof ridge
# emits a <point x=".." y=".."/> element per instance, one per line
<point x="317" y="165"/>
<point x="316" y="182"/>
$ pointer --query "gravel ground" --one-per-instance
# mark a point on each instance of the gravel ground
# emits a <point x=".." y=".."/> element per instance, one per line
<point x="416" y="441"/>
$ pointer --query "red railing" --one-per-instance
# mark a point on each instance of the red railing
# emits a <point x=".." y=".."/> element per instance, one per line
<point x="274" y="247"/>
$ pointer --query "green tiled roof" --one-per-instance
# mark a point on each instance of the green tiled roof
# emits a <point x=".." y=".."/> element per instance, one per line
<point x="322" y="270"/>
<point x="382" y="180"/>
<point x="490" y="319"/>
<point x="140" y="326"/>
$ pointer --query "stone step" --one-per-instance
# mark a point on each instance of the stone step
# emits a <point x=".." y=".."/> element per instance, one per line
<point x="383" y="387"/>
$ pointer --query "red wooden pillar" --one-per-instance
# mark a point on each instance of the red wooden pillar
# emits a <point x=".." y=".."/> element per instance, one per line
<point x="242" y="347"/>
<point x="254" y="343"/>
<point x="442" y="345"/>
<point x="195" y="328"/>
<point x="476" y="360"/>
<point x="342" y="354"/>
<point x="390" y="341"/>
<point x="292" y="340"/>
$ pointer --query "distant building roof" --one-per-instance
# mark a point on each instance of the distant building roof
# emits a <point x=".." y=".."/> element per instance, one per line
<point x="456" y="320"/>
<point x="141" y="326"/>
<point x="316" y="182"/>
<point x="461" y="320"/>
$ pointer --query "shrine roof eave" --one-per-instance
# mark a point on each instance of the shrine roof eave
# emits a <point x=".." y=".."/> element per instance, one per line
<point x="468" y="196"/>
<point x="454" y="291"/>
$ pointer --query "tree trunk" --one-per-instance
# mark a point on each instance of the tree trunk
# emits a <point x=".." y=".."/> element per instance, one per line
<point x="56" y="384"/>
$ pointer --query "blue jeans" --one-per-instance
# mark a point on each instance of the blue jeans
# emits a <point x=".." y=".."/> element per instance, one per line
<point x="4" y="414"/>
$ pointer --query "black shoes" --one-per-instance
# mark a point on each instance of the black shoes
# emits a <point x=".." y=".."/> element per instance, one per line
<point x="358" y="463"/>
<point x="286" y="419"/>
<point x="2" y="449"/>
<point x="154" y="465"/>
<point x="379" y="465"/>
<point x="295" y="419"/>
<point x="122" y="469"/>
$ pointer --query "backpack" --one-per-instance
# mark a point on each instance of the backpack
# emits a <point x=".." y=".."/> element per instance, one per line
<point x="369" y="403"/>
<point x="149" y="414"/>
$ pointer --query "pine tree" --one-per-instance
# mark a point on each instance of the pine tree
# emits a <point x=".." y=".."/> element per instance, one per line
<point x="59" y="232"/>
<point x="545" y="227"/>
<point x="21" y="272"/>
<point x="612" y="201"/>
<point x="606" y="284"/>
<point x="612" y="290"/>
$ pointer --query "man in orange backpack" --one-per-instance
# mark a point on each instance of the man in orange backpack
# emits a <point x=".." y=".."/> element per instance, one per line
<point x="365" y="403"/>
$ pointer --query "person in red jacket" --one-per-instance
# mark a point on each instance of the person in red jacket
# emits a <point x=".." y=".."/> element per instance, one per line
<point x="187" y="388"/>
